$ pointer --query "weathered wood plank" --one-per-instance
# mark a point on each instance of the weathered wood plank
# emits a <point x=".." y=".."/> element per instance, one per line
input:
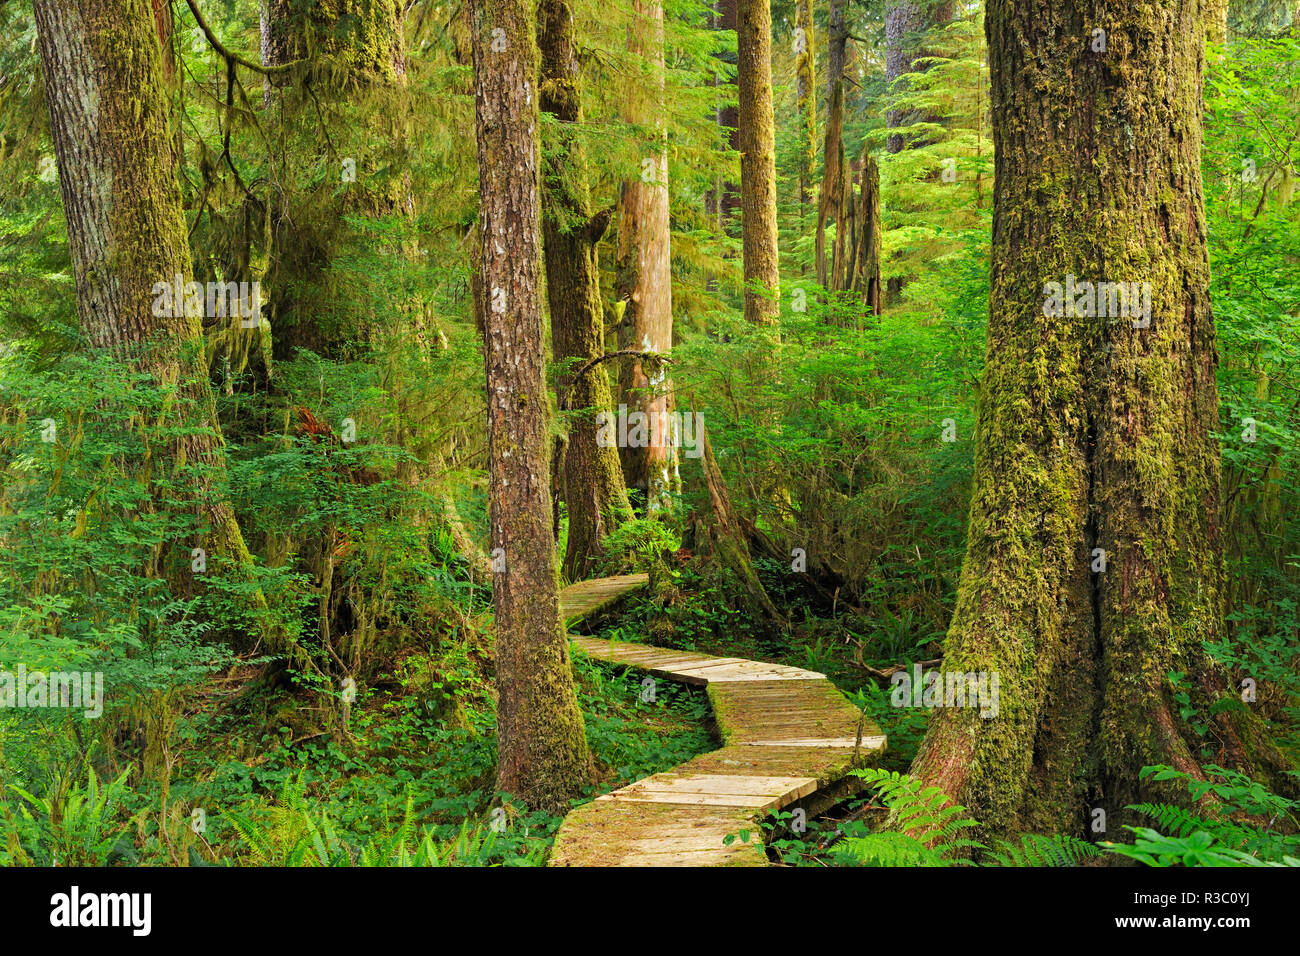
<point x="789" y="737"/>
<point x="586" y="597"/>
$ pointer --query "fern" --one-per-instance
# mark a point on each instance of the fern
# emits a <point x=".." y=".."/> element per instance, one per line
<point x="255" y="835"/>
<point x="923" y="827"/>
<point x="1038" y="850"/>
<point x="1178" y="821"/>
<point x="78" y="827"/>
<point x="1198" y="849"/>
<point x="292" y="834"/>
<point x="887" y="849"/>
<point x="1225" y="836"/>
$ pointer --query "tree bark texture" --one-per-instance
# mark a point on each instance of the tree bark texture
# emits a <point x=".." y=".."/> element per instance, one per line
<point x="757" y="162"/>
<point x="1094" y="561"/>
<point x="110" y="118"/>
<point x="644" y="267"/>
<point x="592" y="475"/>
<point x="542" y="752"/>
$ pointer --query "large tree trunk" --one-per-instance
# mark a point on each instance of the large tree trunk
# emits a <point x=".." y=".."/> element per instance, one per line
<point x="352" y="42"/>
<point x="832" y="201"/>
<point x="906" y="24"/>
<point x="726" y="197"/>
<point x="541" y="744"/>
<point x="644" y="269"/>
<point x="1095" y="444"/>
<point x="352" y="53"/>
<point x="593" y="477"/>
<point x="1216" y="20"/>
<point x="757" y="162"/>
<point x="110" y="117"/>
<point x="805" y="71"/>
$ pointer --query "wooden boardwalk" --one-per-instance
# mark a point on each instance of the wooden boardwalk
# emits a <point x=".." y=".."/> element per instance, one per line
<point x="788" y="737"/>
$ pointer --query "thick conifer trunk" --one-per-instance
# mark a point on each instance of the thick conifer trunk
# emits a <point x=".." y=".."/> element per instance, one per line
<point x="644" y="268"/>
<point x="906" y="22"/>
<point x="831" y="201"/>
<point x="110" y="117"/>
<point x="726" y="197"/>
<point x="757" y="162"/>
<point x="541" y="745"/>
<point x="805" y="70"/>
<point x="593" y="477"/>
<point x="1094" y="562"/>
<point x="350" y="52"/>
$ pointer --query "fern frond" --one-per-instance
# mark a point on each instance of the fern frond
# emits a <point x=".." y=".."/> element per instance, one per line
<point x="889" y="849"/>
<point x="256" y="836"/>
<point x="1038" y="850"/>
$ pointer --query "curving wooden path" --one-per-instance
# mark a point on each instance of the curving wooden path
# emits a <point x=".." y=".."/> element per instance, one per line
<point x="789" y="736"/>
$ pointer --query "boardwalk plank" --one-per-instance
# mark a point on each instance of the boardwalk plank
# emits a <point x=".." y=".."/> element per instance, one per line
<point x="788" y="737"/>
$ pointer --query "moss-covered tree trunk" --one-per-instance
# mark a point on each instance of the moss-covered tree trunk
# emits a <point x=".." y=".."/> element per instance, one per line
<point x="757" y="162"/>
<point x="832" y="198"/>
<point x="593" y="477"/>
<point x="1216" y="20"/>
<point x="805" y="72"/>
<point x="864" y="268"/>
<point x="351" y="42"/>
<point x="110" y="117"/>
<point x="644" y="268"/>
<point x="542" y="752"/>
<point x="726" y="197"/>
<point x="351" y="56"/>
<point x="1093" y="568"/>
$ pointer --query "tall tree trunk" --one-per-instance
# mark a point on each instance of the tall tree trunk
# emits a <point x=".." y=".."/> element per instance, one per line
<point x="352" y="52"/>
<point x="1216" y="21"/>
<point x="757" y="162"/>
<point x="644" y="268"/>
<point x="805" y="71"/>
<point x="831" y="202"/>
<point x="362" y="38"/>
<point x="906" y="24"/>
<point x="593" y="477"/>
<point x="164" y="27"/>
<point x="726" y="195"/>
<point x="1094" y="559"/>
<point x="542" y="752"/>
<point x="110" y="117"/>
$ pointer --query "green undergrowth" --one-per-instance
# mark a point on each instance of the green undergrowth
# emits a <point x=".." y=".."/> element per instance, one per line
<point x="900" y="822"/>
<point x="409" y="782"/>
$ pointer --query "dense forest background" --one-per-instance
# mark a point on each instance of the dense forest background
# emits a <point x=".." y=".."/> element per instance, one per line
<point x="291" y="603"/>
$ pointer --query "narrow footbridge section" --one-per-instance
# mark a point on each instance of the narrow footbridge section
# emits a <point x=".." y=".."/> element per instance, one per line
<point x="789" y="737"/>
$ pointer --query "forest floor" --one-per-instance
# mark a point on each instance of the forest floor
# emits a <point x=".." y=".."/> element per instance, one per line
<point x="420" y="736"/>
